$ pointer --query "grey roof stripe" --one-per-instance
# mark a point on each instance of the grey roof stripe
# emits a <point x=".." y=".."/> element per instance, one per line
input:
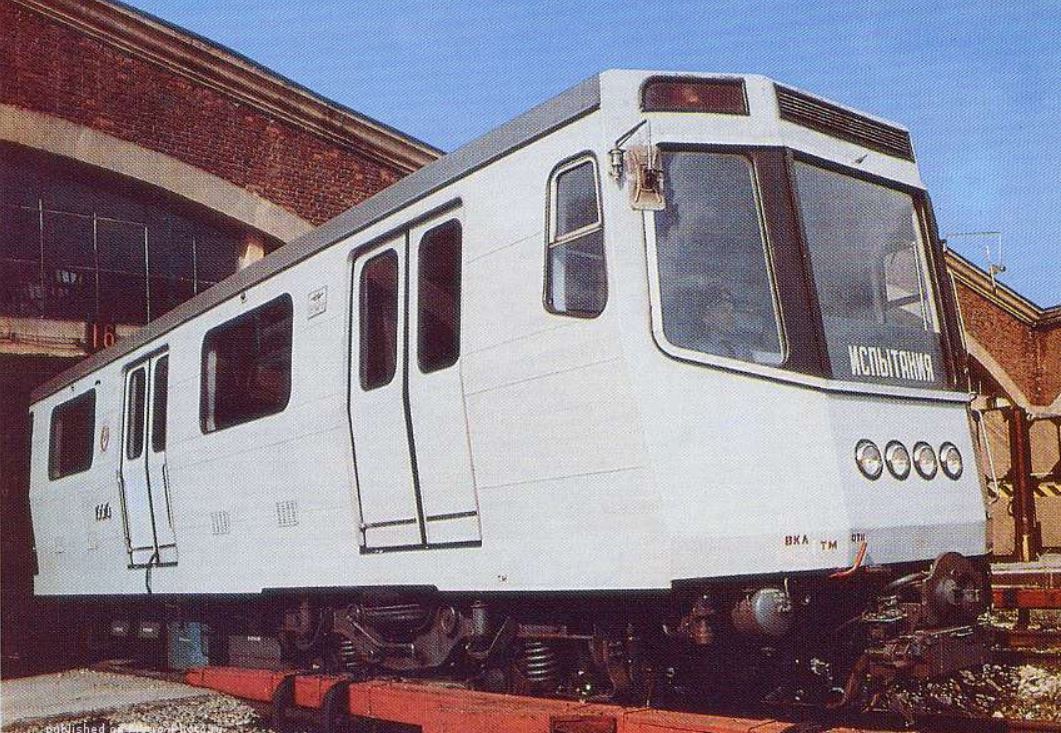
<point x="546" y="117"/>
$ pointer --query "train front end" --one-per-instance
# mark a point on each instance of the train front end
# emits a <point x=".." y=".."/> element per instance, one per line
<point x="807" y="416"/>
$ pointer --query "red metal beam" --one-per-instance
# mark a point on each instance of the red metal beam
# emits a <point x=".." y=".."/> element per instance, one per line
<point x="1025" y="575"/>
<point x="1025" y="525"/>
<point x="436" y="709"/>
<point x="249" y="684"/>
<point x="1007" y="597"/>
<point x="443" y="709"/>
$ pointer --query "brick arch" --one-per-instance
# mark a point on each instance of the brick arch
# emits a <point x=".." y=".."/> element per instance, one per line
<point x="68" y="139"/>
<point x="996" y="371"/>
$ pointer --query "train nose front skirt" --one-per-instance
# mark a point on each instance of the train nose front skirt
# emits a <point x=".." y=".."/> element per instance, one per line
<point x="924" y="625"/>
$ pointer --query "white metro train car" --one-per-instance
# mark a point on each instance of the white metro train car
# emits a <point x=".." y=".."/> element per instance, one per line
<point x="664" y="369"/>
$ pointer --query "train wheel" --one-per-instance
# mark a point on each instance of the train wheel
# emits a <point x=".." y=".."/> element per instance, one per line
<point x="334" y="717"/>
<point x="622" y="660"/>
<point x="494" y="679"/>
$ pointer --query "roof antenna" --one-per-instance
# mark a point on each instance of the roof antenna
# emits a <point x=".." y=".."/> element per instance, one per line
<point x="995" y="264"/>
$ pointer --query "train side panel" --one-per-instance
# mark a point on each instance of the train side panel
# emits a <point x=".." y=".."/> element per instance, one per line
<point x="556" y="449"/>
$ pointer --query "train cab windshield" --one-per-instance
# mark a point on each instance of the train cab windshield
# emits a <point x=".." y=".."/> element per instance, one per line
<point x="867" y="255"/>
<point x="865" y="245"/>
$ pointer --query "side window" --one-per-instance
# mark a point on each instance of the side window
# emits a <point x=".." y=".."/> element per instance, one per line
<point x="72" y="438"/>
<point x="576" y="282"/>
<point x="247" y="367"/>
<point x="134" y="416"/>
<point x="379" y="320"/>
<point x="439" y="299"/>
<point x="160" y="400"/>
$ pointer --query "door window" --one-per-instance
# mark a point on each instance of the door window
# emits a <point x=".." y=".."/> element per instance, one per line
<point x="134" y="418"/>
<point x="438" y="315"/>
<point x="379" y="320"/>
<point x="160" y="399"/>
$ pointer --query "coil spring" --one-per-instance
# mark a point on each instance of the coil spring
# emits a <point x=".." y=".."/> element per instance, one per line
<point x="349" y="659"/>
<point x="540" y="663"/>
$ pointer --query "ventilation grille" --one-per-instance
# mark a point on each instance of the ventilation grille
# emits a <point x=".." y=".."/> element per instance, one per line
<point x="287" y="513"/>
<point x="838" y="122"/>
<point x="219" y="522"/>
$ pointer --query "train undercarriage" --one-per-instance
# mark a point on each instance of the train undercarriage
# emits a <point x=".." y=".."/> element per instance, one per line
<point x="836" y="640"/>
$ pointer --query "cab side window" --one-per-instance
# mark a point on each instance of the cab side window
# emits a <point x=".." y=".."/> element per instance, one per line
<point x="576" y="282"/>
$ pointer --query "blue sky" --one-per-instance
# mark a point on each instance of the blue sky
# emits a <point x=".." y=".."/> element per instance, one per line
<point x="978" y="83"/>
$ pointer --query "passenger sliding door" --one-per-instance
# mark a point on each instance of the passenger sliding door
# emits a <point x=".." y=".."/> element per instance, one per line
<point x="411" y="452"/>
<point x="144" y="475"/>
<point x="390" y="506"/>
<point x="435" y="388"/>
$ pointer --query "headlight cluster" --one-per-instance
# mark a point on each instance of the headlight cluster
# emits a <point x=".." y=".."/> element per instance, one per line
<point x="871" y="462"/>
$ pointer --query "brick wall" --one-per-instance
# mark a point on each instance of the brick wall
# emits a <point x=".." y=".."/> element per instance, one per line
<point x="51" y="68"/>
<point x="1008" y="340"/>
<point x="1049" y="344"/>
<point x="1030" y="354"/>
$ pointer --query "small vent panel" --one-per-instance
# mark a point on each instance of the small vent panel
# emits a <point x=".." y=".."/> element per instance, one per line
<point x="287" y="513"/>
<point x="832" y="120"/>
<point x="219" y="523"/>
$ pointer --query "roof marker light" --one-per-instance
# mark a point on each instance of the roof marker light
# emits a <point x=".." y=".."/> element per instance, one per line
<point x="670" y="94"/>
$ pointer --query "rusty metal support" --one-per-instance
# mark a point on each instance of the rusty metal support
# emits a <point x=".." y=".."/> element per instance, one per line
<point x="1028" y="537"/>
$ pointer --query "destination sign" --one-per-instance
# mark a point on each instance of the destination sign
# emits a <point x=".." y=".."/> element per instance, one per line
<point x="880" y="362"/>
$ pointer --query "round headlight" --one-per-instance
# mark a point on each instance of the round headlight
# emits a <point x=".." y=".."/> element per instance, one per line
<point x="950" y="458"/>
<point x="925" y="460"/>
<point x="868" y="458"/>
<point x="897" y="459"/>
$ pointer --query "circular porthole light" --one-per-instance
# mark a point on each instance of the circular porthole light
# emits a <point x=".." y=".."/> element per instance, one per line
<point x="897" y="458"/>
<point x="925" y="460"/>
<point x="869" y="460"/>
<point x="950" y="458"/>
